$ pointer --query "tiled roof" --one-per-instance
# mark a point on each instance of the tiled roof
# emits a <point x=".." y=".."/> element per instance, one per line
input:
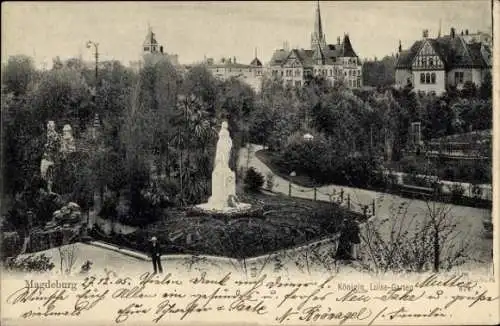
<point x="454" y="52"/>
<point x="279" y="57"/>
<point x="307" y="57"/>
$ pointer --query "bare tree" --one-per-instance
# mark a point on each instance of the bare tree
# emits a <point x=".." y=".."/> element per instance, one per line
<point x="414" y="243"/>
<point x="67" y="258"/>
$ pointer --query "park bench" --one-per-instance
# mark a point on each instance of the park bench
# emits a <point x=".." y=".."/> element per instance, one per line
<point x="416" y="191"/>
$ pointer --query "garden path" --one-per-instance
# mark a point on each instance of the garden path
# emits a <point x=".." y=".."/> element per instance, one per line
<point x="469" y="219"/>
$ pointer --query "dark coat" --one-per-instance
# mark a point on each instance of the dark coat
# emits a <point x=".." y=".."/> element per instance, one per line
<point x="350" y="232"/>
<point x="154" y="250"/>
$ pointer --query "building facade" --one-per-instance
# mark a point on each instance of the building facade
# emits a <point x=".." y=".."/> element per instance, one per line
<point x="334" y="62"/>
<point x="227" y="68"/>
<point x="152" y="51"/>
<point x="434" y="64"/>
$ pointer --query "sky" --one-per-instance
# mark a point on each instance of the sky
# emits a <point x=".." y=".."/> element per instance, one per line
<point x="194" y="30"/>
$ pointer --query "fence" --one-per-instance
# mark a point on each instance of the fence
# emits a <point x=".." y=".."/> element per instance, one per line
<point x="338" y="197"/>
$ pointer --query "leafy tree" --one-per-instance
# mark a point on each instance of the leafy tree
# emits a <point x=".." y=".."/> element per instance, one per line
<point x="18" y="74"/>
<point x="204" y="86"/>
<point x="486" y="88"/>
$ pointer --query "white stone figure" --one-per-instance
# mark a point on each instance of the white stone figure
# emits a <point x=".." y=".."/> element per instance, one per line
<point x="49" y="156"/>
<point x="223" y="197"/>
<point x="68" y="142"/>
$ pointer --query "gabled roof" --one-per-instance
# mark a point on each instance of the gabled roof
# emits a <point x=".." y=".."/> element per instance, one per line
<point x="279" y="57"/>
<point x="453" y="51"/>
<point x="256" y="62"/>
<point x="308" y="57"/>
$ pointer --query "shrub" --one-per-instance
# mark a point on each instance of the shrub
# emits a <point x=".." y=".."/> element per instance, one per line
<point x="476" y="191"/>
<point x="108" y="209"/>
<point x="86" y="267"/>
<point x="253" y="180"/>
<point x="11" y="244"/>
<point x="32" y="263"/>
<point x="457" y="191"/>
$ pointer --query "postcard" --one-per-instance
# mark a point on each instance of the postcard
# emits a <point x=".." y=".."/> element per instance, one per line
<point x="250" y="163"/>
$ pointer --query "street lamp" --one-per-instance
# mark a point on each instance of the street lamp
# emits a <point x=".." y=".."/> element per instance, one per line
<point x="292" y="174"/>
<point x="95" y="45"/>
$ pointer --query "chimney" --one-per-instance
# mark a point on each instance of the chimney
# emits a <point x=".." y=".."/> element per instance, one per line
<point x="452" y="32"/>
<point x="234" y="59"/>
<point x="466" y="32"/>
<point x="338" y="40"/>
<point x="400" y="48"/>
<point x="229" y="60"/>
<point x="161" y="48"/>
<point x="425" y="33"/>
<point x="462" y="33"/>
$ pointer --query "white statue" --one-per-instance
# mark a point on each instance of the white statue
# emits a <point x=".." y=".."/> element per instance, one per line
<point x="223" y="197"/>
<point x="50" y="153"/>
<point x="68" y="142"/>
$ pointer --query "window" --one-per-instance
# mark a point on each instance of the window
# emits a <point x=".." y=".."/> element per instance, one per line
<point x="459" y="77"/>
<point x="146" y="48"/>
<point x="422" y="78"/>
<point x="433" y="78"/>
<point x="415" y="133"/>
<point x="359" y="83"/>
<point x="297" y="83"/>
<point x="427" y="78"/>
<point x="431" y="62"/>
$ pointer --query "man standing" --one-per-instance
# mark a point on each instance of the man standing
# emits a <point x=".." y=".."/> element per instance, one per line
<point x="348" y="240"/>
<point x="155" y="255"/>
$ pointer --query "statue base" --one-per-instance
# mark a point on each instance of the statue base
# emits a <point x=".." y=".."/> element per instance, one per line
<point x="239" y="207"/>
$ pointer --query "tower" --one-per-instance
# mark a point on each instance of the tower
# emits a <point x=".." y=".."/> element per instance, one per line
<point x="317" y="37"/>
<point x="150" y="44"/>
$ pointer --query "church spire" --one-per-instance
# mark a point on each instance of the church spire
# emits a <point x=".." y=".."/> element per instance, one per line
<point x="439" y="31"/>
<point x="318" y="37"/>
<point x="318" y="29"/>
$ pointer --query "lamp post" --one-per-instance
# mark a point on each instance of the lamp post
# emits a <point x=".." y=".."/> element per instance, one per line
<point x="292" y="174"/>
<point x="308" y="138"/>
<point x="95" y="45"/>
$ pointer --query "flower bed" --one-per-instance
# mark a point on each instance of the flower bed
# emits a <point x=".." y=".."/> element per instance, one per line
<point x="280" y="223"/>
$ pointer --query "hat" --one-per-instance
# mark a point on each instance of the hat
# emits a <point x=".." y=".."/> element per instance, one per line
<point x="153" y="239"/>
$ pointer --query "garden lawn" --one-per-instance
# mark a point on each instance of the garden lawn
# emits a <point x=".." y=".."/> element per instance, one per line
<point x="280" y="223"/>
